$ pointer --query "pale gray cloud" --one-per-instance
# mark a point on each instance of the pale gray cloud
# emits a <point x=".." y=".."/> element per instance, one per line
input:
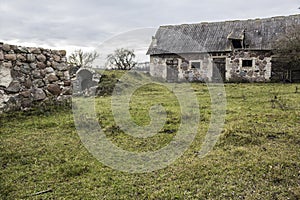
<point x="90" y="22"/>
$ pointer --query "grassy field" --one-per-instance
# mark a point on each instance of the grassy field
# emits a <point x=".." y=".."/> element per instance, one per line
<point x="256" y="157"/>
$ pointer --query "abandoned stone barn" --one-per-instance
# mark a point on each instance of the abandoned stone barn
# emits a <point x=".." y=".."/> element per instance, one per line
<point x="227" y="51"/>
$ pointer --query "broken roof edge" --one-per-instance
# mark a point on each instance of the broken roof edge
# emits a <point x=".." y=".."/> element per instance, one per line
<point x="207" y="52"/>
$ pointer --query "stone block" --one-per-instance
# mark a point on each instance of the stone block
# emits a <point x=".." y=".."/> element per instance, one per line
<point x="5" y="76"/>
<point x="51" y="78"/>
<point x="1" y="56"/>
<point x="11" y="57"/>
<point x="54" y="89"/>
<point x="49" y="70"/>
<point x="22" y="58"/>
<point x="13" y="87"/>
<point x="41" y="58"/>
<point x="38" y="94"/>
<point x="6" y="47"/>
<point x="30" y="58"/>
<point x="38" y="83"/>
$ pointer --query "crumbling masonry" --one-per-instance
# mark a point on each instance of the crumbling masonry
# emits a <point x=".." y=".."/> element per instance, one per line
<point x="29" y="76"/>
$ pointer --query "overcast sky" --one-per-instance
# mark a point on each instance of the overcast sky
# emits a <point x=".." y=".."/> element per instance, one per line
<point x="70" y="24"/>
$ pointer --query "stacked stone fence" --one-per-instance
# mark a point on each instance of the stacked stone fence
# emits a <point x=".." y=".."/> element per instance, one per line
<point x="30" y="76"/>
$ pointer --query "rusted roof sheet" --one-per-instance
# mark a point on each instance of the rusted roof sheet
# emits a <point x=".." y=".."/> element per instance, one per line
<point x="259" y="34"/>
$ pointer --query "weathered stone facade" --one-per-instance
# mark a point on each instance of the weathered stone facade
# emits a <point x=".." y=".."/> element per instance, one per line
<point x="30" y="75"/>
<point x="259" y="71"/>
<point x="235" y="68"/>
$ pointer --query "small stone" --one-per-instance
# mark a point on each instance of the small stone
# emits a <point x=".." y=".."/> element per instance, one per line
<point x="236" y="61"/>
<point x="47" y="53"/>
<point x="28" y="83"/>
<point x="54" y="64"/>
<point x="32" y="65"/>
<point x="63" y="52"/>
<point x="49" y="70"/>
<point x="60" y="83"/>
<point x="36" y="74"/>
<point x="261" y="57"/>
<point x="1" y="55"/>
<point x="60" y="74"/>
<point x="67" y="91"/>
<point x="35" y="50"/>
<point x="30" y="58"/>
<point x="67" y="83"/>
<point x="14" y="87"/>
<point x="26" y="103"/>
<point x="43" y="73"/>
<point x="17" y="68"/>
<point x="21" y="79"/>
<point x="55" y="52"/>
<point x="3" y="100"/>
<point x="6" y="47"/>
<point x="21" y="57"/>
<point x="25" y="94"/>
<point x="56" y="58"/>
<point x="41" y="65"/>
<point x="38" y="94"/>
<point x="61" y="67"/>
<point x="18" y="63"/>
<point x="25" y="68"/>
<point x="13" y="47"/>
<point x="38" y="83"/>
<point x="64" y="59"/>
<point x="16" y="74"/>
<point x="54" y="89"/>
<point x="41" y="58"/>
<point x="11" y="57"/>
<point x="21" y="50"/>
<point x="64" y="98"/>
<point x="5" y="77"/>
<point x="7" y="64"/>
<point x="52" y="78"/>
<point x="67" y="75"/>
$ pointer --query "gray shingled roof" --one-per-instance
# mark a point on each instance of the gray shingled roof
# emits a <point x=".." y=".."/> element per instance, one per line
<point x="258" y="34"/>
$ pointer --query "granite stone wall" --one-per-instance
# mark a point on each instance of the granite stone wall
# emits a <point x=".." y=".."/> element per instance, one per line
<point x="258" y="71"/>
<point x="30" y="76"/>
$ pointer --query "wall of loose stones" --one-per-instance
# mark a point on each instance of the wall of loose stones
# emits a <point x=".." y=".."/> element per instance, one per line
<point x="31" y="76"/>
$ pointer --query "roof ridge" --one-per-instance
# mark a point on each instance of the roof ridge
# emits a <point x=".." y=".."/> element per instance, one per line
<point x="230" y="21"/>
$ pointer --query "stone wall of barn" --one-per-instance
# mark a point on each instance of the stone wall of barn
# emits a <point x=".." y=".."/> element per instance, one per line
<point x="259" y="71"/>
<point x="158" y="66"/>
<point x="187" y="72"/>
<point x="29" y="76"/>
<point x="241" y="66"/>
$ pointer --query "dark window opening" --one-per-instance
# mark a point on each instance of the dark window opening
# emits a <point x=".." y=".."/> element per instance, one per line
<point x="195" y="65"/>
<point x="247" y="63"/>
<point x="237" y="44"/>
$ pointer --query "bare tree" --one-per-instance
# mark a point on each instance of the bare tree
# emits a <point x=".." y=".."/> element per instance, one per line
<point x="287" y="48"/>
<point x="122" y="59"/>
<point x="286" y="60"/>
<point x="82" y="59"/>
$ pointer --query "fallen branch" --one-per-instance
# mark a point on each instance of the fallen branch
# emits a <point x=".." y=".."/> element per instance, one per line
<point x="42" y="192"/>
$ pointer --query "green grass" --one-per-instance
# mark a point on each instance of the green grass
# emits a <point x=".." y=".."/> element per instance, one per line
<point x="256" y="157"/>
